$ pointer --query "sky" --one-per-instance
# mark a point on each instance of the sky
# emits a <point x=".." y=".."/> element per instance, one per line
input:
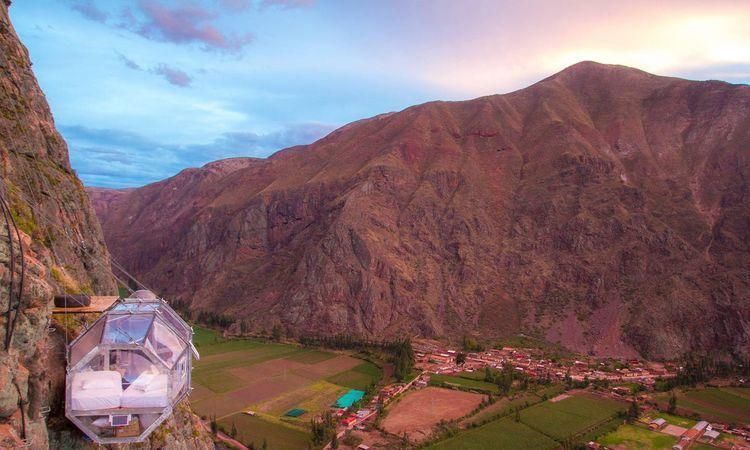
<point x="142" y="89"/>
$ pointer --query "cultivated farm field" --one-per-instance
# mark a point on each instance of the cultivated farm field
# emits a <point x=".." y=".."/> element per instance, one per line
<point x="234" y="376"/>
<point x="419" y="411"/>
<point x="571" y="416"/>
<point x="467" y="381"/>
<point x="503" y="434"/>
<point x="542" y="425"/>
<point x="255" y="430"/>
<point x="726" y="404"/>
<point x="506" y="405"/>
<point x="637" y="437"/>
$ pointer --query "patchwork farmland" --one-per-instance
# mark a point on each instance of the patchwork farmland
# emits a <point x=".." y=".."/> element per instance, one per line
<point x="270" y="379"/>
<point x="571" y="416"/>
<point x="727" y="404"/>
<point x="544" y="425"/>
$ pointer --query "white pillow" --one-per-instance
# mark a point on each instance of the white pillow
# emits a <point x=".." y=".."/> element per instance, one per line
<point x="96" y="383"/>
<point x="101" y="422"/>
<point x="158" y="383"/>
<point x="142" y="382"/>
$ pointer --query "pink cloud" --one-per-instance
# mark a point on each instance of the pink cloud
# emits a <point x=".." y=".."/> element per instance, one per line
<point x="184" y="25"/>
<point x="242" y="5"/>
<point x="90" y="10"/>
<point x="287" y="4"/>
<point x="173" y="76"/>
<point x="237" y="5"/>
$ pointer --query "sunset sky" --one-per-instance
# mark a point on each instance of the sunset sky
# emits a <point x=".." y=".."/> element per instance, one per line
<point x="144" y="88"/>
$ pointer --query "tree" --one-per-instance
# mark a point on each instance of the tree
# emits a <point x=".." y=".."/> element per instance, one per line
<point x="335" y="441"/>
<point x="471" y="345"/>
<point x="672" y="403"/>
<point x="460" y="358"/>
<point x="568" y="380"/>
<point x="633" y="412"/>
<point x="403" y="359"/>
<point x="276" y="332"/>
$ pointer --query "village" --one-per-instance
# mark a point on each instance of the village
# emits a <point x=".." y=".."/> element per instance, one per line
<point x="433" y="358"/>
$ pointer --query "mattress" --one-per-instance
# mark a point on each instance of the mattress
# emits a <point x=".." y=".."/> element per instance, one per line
<point x="96" y="390"/>
<point x="156" y="396"/>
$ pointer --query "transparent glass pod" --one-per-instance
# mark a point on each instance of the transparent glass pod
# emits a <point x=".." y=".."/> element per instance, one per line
<point x="128" y="370"/>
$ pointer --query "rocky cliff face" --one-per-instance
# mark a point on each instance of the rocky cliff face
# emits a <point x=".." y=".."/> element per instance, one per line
<point x="604" y="207"/>
<point x="63" y="248"/>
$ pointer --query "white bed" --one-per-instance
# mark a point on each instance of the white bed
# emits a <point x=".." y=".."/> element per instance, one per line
<point x="147" y="391"/>
<point x="96" y="390"/>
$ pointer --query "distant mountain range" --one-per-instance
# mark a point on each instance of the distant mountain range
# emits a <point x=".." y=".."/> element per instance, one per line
<point x="604" y="208"/>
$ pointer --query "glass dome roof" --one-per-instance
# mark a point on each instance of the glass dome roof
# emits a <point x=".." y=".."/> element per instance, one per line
<point x="129" y="369"/>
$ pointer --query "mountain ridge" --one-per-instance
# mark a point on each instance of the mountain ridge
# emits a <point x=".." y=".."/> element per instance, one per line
<point x="567" y="206"/>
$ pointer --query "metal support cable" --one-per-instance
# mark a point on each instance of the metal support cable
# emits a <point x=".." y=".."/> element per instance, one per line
<point x="21" y="284"/>
<point x="11" y="266"/>
<point x="10" y="223"/>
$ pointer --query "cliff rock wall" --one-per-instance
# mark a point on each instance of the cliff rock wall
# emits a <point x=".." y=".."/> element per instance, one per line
<point x="64" y="251"/>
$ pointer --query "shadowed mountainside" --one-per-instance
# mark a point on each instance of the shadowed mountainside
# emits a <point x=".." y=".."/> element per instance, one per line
<point x="603" y="207"/>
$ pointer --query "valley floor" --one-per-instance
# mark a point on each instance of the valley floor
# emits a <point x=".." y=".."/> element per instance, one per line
<point x="268" y="379"/>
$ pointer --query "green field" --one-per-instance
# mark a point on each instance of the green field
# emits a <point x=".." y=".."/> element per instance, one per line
<point x="683" y="422"/>
<point x="311" y="357"/>
<point x="237" y="375"/>
<point x="570" y="417"/>
<point x="637" y="437"/>
<point x="255" y="430"/>
<point x="731" y="405"/>
<point x="213" y="373"/>
<point x="359" y="377"/>
<point x="463" y="382"/>
<point x="545" y="424"/>
<point x="507" y="405"/>
<point x="500" y="434"/>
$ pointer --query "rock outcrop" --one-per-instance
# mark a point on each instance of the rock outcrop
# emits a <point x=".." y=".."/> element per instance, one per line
<point x="604" y="207"/>
<point x="63" y="250"/>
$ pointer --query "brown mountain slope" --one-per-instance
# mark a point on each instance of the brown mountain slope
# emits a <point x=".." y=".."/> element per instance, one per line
<point x="603" y="207"/>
